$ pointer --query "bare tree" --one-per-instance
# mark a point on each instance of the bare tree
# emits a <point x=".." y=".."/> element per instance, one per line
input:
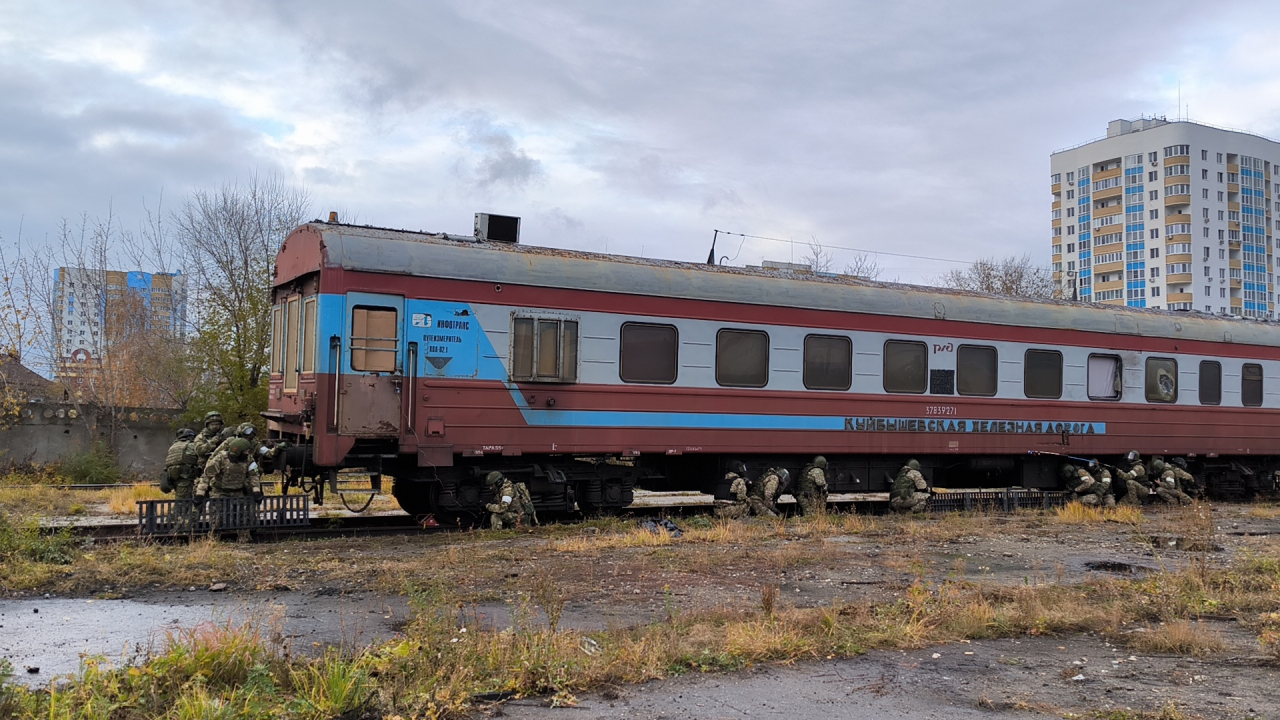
<point x="1013" y="275"/>
<point x="233" y="234"/>
<point x="818" y="259"/>
<point x="864" y="266"/>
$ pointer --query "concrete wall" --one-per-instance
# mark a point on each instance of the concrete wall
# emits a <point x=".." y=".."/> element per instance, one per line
<point x="47" y="432"/>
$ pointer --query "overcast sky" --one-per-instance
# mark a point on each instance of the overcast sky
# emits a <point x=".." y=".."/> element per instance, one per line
<point x="913" y="127"/>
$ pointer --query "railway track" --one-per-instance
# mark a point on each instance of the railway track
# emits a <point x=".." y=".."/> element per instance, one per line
<point x="317" y="526"/>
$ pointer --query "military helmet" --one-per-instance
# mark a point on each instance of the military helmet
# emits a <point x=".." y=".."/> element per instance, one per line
<point x="493" y="478"/>
<point x="783" y="475"/>
<point x="246" y="430"/>
<point x="914" y="464"/>
<point x="1132" y="456"/>
<point x="738" y="466"/>
<point x="1180" y="462"/>
<point x="186" y="434"/>
<point x="1157" y="466"/>
<point x="820" y="462"/>
<point x="211" y="416"/>
<point x="1068" y="470"/>
<point x="238" y="447"/>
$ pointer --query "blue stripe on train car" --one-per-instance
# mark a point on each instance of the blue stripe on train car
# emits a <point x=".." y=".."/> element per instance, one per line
<point x="452" y="344"/>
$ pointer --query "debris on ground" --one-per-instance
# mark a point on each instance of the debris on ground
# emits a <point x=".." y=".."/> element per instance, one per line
<point x="663" y="525"/>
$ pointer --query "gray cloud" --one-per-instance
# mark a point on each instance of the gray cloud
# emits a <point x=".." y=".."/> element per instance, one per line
<point x="500" y="162"/>
<point x="917" y="126"/>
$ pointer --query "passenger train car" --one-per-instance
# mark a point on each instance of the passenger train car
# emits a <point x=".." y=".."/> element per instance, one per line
<point x="437" y="358"/>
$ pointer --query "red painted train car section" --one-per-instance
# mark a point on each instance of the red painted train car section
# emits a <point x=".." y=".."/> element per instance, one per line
<point x="337" y="317"/>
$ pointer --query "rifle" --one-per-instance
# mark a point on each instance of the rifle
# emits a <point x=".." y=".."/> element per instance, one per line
<point x="1086" y="461"/>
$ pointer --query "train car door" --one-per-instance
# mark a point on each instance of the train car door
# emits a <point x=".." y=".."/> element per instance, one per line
<point x="372" y="380"/>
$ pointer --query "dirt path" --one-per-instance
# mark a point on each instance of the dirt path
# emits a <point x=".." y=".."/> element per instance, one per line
<point x="1023" y="678"/>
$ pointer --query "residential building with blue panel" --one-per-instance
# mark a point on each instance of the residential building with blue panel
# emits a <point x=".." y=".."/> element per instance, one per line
<point x="1175" y="215"/>
<point x="87" y="300"/>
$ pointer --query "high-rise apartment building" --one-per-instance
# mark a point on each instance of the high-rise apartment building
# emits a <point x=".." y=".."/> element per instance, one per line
<point x="1175" y="215"/>
<point x="95" y="308"/>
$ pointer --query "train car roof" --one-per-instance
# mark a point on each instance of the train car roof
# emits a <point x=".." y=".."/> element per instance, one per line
<point x="401" y="252"/>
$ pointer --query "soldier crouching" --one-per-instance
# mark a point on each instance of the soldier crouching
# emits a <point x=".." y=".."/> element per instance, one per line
<point x="229" y="474"/>
<point x="504" y="511"/>
<point x="737" y="506"/>
<point x="910" y="492"/>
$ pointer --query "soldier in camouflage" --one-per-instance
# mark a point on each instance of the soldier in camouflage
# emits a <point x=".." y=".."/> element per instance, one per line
<point x="1167" y="487"/>
<point x="762" y="494"/>
<point x="910" y="493"/>
<point x="1106" y="494"/>
<point x="1087" y="489"/>
<point x="736" y="506"/>
<point x="181" y="466"/>
<point x="243" y="430"/>
<point x="811" y="487"/>
<point x="231" y="474"/>
<point x="1186" y="481"/>
<point x="504" y="511"/>
<point x="210" y="437"/>
<point x="1135" y="480"/>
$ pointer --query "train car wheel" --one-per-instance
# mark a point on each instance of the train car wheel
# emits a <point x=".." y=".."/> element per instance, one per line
<point x="416" y="498"/>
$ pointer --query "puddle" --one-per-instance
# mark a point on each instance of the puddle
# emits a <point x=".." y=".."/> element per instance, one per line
<point x="1184" y="544"/>
<point x="1116" y="567"/>
<point x="53" y="633"/>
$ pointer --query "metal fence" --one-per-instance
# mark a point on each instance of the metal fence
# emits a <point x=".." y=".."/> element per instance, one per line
<point x="186" y="517"/>
<point x="1002" y="500"/>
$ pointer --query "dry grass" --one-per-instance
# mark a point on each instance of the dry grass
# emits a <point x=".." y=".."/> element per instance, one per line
<point x="42" y="501"/>
<point x="124" y="500"/>
<point x="1266" y="512"/>
<point x="1178" y="638"/>
<point x="434" y="669"/>
<point x="1075" y="513"/>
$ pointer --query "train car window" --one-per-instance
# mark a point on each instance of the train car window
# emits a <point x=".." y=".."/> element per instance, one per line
<point x="1251" y="385"/>
<point x="1162" y="380"/>
<point x="742" y="358"/>
<point x="522" y="349"/>
<point x="374" y="337"/>
<point x="906" y="366"/>
<point x="647" y="353"/>
<point x="568" y="351"/>
<point x="277" y="339"/>
<point x="1105" y="378"/>
<point x="544" y="350"/>
<point x="1042" y="374"/>
<point x="828" y="362"/>
<point x="292" y="328"/>
<point x="309" y="335"/>
<point x="976" y="370"/>
<point x="548" y="350"/>
<point x="1210" y="382"/>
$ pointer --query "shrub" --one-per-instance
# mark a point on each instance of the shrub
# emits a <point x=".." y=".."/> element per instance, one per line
<point x="26" y="542"/>
<point x="96" y="467"/>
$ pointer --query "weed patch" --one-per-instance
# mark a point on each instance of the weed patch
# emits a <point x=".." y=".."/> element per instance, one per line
<point x="1178" y="638"/>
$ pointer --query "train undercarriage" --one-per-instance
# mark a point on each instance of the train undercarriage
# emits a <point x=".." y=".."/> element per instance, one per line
<point x="561" y="484"/>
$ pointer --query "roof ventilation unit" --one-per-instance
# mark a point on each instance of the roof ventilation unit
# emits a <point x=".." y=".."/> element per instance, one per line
<point x="497" y="228"/>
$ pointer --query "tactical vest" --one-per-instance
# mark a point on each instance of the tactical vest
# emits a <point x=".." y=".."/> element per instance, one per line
<point x="182" y="462"/>
<point x="234" y="475"/>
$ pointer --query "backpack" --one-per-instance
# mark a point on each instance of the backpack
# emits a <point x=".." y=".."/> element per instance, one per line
<point x="525" y="502"/>
<point x="181" y="460"/>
